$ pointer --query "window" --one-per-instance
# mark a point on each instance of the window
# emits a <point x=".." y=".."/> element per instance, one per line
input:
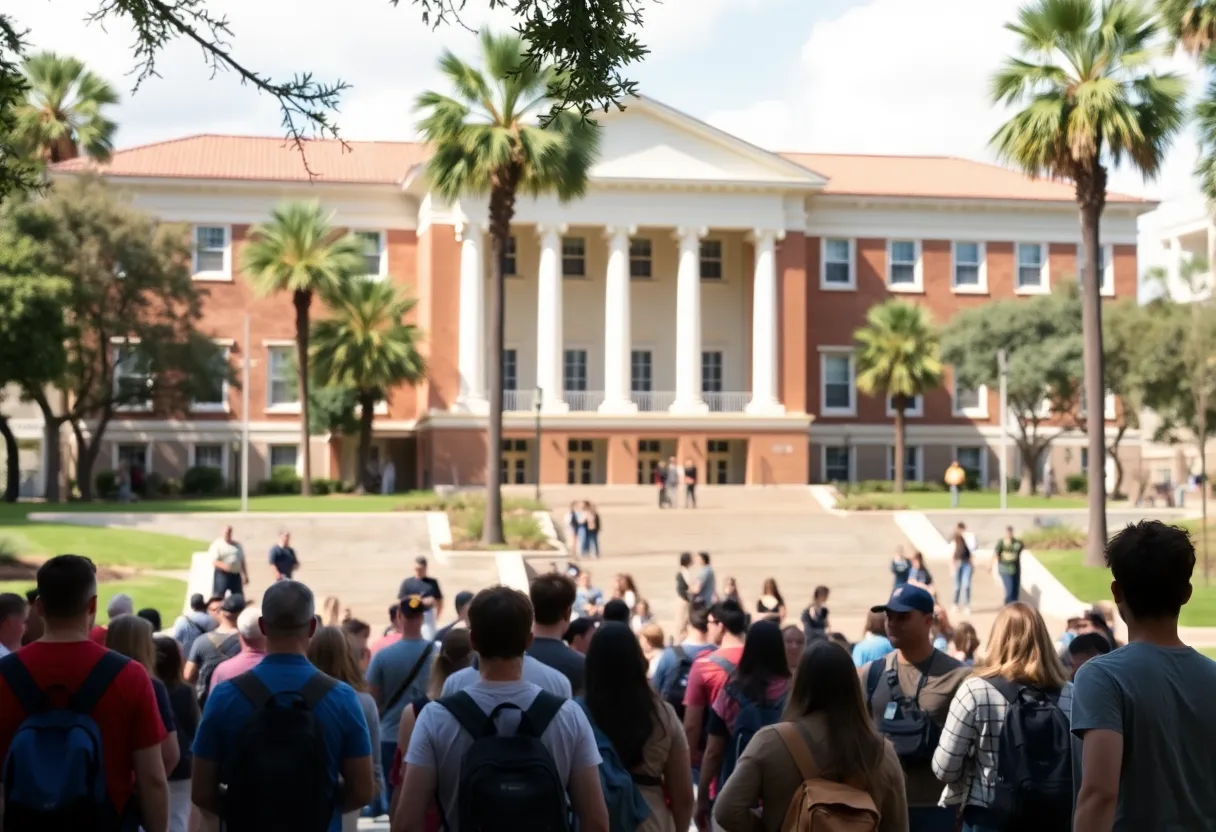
<point x="711" y="371"/>
<point x="508" y="257"/>
<point x="911" y="463"/>
<point x="209" y="456"/>
<point x="836" y="372"/>
<point x="131" y="457"/>
<point x="837" y="264"/>
<point x="915" y="406"/>
<point x="282" y="386"/>
<point x="640" y="374"/>
<point x="574" y="370"/>
<point x="510" y="370"/>
<point x="711" y="259"/>
<point x="1106" y="285"/>
<point x="132" y="378"/>
<point x="1031" y="277"/>
<point x="972" y="403"/>
<point x="574" y="257"/>
<point x="639" y="258"/>
<point x="372" y="244"/>
<point x="284" y="456"/>
<point x="648" y="446"/>
<point x="513" y="468"/>
<point x="972" y="461"/>
<point x="579" y="462"/>
<point x="717" y="446"/>
<point x="969" y="267"/>
<point x="210" y="249"/>
<point x="213" y="389"/>
<point x="902" y="256"/>
<point x="836" y="467"/>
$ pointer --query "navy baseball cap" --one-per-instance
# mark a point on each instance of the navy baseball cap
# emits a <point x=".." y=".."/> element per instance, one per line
<point x="907" y="598"/>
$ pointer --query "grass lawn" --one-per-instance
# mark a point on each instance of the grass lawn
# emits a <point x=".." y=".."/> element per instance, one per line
<point x="412" y="501"/>
<point x="163" y="594"/>
<point x="109" y="547"/>
<point x="929" y="500"/>
<point x="1091" y="584"/>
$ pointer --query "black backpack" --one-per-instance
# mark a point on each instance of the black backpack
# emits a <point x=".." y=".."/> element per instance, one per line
<point x="673" y="692"/>
<point x="206" y="670"/>
<point x="278" y="778"/>
<point x="508" y="777"/>
<point x="911" y="730"/>
<point x="1034" y="762"/>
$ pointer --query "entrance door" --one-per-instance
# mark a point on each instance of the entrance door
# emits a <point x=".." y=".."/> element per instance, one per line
<point x="650" y="456"/>
<point x="513" y="467"/>
<point x="580" y="462"/>
<point x="718" y="463"/>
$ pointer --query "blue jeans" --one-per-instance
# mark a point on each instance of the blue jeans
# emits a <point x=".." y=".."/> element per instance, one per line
<point x="962" y="583"/>
<point x="954" y="496"/>
<point x="590" y="543"/>
<point x="379" y="804"/>
<point x="931" y="819"/>
<point x="1012" y="586"/>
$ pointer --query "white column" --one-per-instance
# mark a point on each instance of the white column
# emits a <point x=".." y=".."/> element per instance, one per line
<point x="471" y="350"/>
<point x="617" y="333"/>
<point x="549" y="339"/>
<point x="688" y="323"/>
<point x="765" y="325"/>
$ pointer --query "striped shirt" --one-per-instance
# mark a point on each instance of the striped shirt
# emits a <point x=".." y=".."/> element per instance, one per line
<point x="966" y="755"/>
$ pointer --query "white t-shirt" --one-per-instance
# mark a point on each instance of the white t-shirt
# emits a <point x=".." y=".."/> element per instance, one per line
<point x="438" y="741"/>
<point x="229" y="554"/>
<point x="535" y="672"/>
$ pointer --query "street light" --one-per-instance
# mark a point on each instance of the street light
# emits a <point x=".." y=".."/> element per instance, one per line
<point x="539" y="399"/>
<point x="1002" y="364"/>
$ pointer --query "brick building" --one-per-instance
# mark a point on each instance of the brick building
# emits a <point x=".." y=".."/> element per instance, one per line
<point x="699" y="301"/>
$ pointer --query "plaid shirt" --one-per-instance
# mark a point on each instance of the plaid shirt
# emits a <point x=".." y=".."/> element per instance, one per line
<point x="966" y="755"/>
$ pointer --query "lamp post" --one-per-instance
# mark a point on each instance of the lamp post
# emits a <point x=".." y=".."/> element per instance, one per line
<point x="1002" y="363"/>
<point x="540" y="396"/>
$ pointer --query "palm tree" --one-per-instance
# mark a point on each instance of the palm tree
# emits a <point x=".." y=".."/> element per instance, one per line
<point x="898" y="358"/>
<point x="366" y="345"/>
<point x="300" y="252"/>
<point x="62" y="112"/>
<point x="486" y="140"/>
<point x="1191" y="23"/>
<point x="1090" y="98"/>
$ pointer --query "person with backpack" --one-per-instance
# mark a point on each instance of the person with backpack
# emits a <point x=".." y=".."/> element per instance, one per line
<point x="726" y="623"/>
<point x="204" y="616"/>
<point x="253" y="648"/>
<point x="753" y="697"/>
<point x="502" y="749"/>
<point x="80" y="732"/>
<point x="675" y="665"/>
<point x="908" y="693"/>
<point x="645" y="774"/>
<point x="1005" y="752"/>
<point x="289" y="744"/>
<point x="210" y="649"/>
<point x="823" y="768"/>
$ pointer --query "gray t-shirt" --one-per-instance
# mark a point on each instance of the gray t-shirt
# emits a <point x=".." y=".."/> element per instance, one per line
<point x="1160" y="700"/>
<point x="536" y="672"/>
<point x="389" y="669"/>
<point x="706" y="579"/>
<point x="561" y="657"/>
<point x="438" y="741"/>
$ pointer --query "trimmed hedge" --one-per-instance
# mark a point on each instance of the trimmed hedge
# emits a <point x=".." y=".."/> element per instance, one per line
<point x="105" y="485"/>
<point x="203" y="480"/>
<point x="887" y="487"/>
<point x="1076" y="484"/>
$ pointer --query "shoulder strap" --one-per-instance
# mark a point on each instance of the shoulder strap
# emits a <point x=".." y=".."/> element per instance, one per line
<point x="1005" y="687"/>
<point x="795" y="743"/>
<point x="22" y="684"/>
<point x="682" y="655"/>
<point x="723" y="662"/>
<point x="872" y="678"/>
<point x="468" y="713"/>
<point x="409" y="679"/>
<point x="540" y="713"/>
<point x="316" y="689"/>
<point x="98" y="681"/>
<point x="253" y="689"/>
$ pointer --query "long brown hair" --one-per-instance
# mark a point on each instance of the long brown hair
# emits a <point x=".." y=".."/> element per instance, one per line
<point x="1020" y="649"/>
<point x="455" y="653"/>
<point x="826" y="682"/>
<point x="332" y="653"/>
<point x="132" y="636"/>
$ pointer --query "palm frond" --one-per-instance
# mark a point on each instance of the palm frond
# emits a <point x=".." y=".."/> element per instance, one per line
<point x="898" y="351"/>
<point x="365" y="342"/>
<point x="1190" y="23"/>
<point x="300" y="251"/>
<point x="62" y="112"/>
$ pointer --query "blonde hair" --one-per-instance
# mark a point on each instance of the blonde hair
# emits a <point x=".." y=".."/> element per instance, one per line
<point x="331" y="611"/>
<point x="132" y="636"/>
<point x="1021" y="649"/>
<point x="652" y="634"/>
<point x="455" y="653"/>
<point x="332" y="653"/>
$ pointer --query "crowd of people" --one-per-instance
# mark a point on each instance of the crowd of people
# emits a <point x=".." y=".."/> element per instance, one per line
<point x="549" y="710"/>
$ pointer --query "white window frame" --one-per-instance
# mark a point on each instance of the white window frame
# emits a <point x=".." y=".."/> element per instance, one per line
<point x="510" y="253"/>
<point x="271" y="406"/>
<point x="639" y="257"/>
<point x="576" y="348"/>
<point x="852" y="460"/>
<point x="915" y="409"/>
<point x="582" y="257"/>
<point x="222" y="405"/>
<point x="979" y="412"/>
<point x="918" y="267"/>
<point x="270" y="446"/>
<point x="117" y="344"/>
<point x="851" y="285"/>
<point x="984" y="454"/>
<point x="980" y="288"/>
<point x="114" y="461"/>
<point x="225" y="456"/>
<point x="633" y="377"/>
<point x="918" y="452"/>
<point x="1044" y="286"/>
<point x="720" y="259"/>
<point x="382" y="242"/>
<point x="837" y="352"/>
<point x="1107" y="287"/>
<point x="224" y="274"/>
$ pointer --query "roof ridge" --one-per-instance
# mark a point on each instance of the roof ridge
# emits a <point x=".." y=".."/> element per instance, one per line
<point x="868" y="155"/>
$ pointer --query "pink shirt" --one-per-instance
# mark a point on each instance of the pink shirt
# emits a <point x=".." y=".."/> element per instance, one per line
<point x="384" y="641"/>
<point x="228" y="669"/>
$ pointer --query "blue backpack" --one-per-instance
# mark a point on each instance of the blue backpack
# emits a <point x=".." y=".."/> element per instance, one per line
<point x="752" y="717"/>
<point x="627" y="809"/>
<point x="54" y="775"/>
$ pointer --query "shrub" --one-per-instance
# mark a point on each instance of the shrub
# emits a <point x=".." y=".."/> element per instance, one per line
<point x="8" y="550"/>
<point x="203" y="480"/>
<point x="871" y="502"/>
<point x="320" y="487"/>
<point x="888" y="486"/>
<point x="154" y="485"/>
<point x="1076" y="484"/>
<point x="105" y="484"/>
<point x="170" y="488"/>
<point x="283" y="480"/>
<point x="1055" y="537"/>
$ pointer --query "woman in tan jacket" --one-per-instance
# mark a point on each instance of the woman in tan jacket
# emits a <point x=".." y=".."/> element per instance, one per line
<point x="828" y="711"/>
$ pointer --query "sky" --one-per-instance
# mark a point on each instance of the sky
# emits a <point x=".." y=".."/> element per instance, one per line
<point x="860" y="76"/>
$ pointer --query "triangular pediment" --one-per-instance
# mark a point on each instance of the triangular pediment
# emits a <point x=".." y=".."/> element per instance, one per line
<point x="651" y="141"/>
